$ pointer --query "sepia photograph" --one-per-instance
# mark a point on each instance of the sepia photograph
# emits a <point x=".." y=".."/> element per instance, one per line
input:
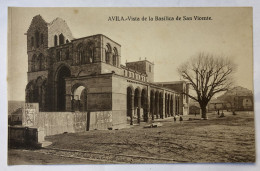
<point x="139" y="85"/>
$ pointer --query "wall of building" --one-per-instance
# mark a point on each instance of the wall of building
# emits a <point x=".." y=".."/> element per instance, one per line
<point x="184" y="100"/>
<point x="216" y="106"/>
<point x="34" y="75"/>
<point x="56" y="27"/>
<point x="24" y="136"/>
<point x="99" y="91"/>
<point x="107" y="68"/>
<point x="119" y="99"/>
<point x="37" y="24"/>
<point x="59" y="122"/>
<point x="143" y="67"/>
<point x="139" y="66"/>
<point x="104" y="41"/>
<point x="101" y="120"/>
<point x="248" y="103"/>
<point x="150" y="74"/>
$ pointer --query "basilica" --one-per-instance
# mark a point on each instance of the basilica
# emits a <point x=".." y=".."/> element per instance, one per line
<point x="67" y="74"/>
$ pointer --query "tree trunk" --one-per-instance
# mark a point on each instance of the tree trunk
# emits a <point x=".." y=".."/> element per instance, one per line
<point x="203" y="112"/>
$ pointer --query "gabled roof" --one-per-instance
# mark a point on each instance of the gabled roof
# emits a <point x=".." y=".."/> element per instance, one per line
<point x="35" y="18"/>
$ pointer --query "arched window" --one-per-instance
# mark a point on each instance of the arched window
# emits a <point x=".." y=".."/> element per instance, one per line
<point x="114" y="60"/>
<point x="37" y="37"/>
<point x="91" y="55"/>
<point x="90" y="52"/>
<point x="33" y="63"/>
<point x="61" y="39"/>
<point x="32" y="41"/>
<point x="108" y="53"/>
<point x="115" y="56"/>
<point x="37" y="64"/>
<point x="41" y="62"/>
<point x="41" y="39"/>
<point x="80" y="55"/>
<point x="55" y="40"/>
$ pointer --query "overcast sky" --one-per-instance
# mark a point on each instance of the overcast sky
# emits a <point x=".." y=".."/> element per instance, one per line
<point x="166" y="43"/>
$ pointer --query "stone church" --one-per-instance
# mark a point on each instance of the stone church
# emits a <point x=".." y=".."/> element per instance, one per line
<point x="85" y="74"/>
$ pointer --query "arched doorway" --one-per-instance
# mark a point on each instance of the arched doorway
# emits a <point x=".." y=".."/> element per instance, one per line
<point x="79" y="100"/>
<point x="64" y="72"/>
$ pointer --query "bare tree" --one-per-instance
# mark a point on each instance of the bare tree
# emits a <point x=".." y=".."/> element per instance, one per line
<point x="207" y="75"/>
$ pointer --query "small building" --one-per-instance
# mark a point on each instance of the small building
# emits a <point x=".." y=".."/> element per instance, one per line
<point x="239" y="99"/>
<point x="216" y="104"/>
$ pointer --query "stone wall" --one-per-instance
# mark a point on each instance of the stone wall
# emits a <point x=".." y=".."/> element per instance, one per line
<point x="56" y="27"/>
<point x="103" y="120"/>
<point x="119" y="102"/>
<point x="60" y="122"/>
<point x="105" y="40"/>
<point x="24" y="136"/>
<point x="107" y="68"/>
<point x="95" y="40"/>
<point x="99" y="92"/>
<point x="53" y="123"/>
<point x="143" y="67"/>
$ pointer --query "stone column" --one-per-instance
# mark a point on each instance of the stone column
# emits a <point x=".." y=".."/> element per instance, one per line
<point x="152" y="104"/>
<point x="138" y="108"/>
<point x="169" y="105"/>
<point x="178" y="105"/>
<point x="166" y="104"/>
<point x="173" y="105"/>
<point x="72" y="103"/>
<point x="161" y="107"/>
<point x="132" y="109"/>
<point x="146" y="109"/>
<point x="157" y="106"/>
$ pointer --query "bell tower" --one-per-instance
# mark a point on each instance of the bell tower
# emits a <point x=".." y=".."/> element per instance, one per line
<point x="37" y="43"/>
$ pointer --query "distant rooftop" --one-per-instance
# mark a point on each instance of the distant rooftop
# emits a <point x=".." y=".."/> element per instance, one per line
<point x="140" y="61"/>
<point x="171" y="82"/>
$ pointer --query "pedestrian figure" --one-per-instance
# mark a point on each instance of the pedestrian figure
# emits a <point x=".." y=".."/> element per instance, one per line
<point x="181" y="119"/>
<point x="174" y="118"/>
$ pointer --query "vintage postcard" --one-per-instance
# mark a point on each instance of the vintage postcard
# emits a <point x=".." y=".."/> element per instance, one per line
<point x="130" y="85"/>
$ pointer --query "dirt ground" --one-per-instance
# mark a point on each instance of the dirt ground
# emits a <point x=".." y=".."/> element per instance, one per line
<point x="32" y="157"/>
<point x="230" y="139"/>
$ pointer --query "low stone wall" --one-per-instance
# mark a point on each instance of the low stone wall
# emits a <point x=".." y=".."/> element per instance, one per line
<point x="101" y="120"/>
<point x="71" y="122"/>
<point x="61" y="122"/>
<point x="24" y="136"/>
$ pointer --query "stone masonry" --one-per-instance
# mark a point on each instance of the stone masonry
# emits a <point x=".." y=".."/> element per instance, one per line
<point x="85" y="74"/>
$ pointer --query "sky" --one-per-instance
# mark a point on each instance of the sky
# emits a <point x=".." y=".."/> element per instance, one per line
<point x="166" y="43"/>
